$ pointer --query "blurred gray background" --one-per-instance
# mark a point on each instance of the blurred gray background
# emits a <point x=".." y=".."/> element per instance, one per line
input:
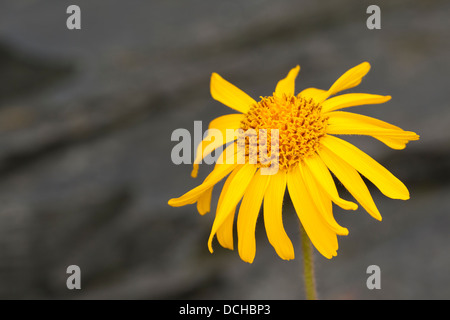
<point x="86" y="118"/>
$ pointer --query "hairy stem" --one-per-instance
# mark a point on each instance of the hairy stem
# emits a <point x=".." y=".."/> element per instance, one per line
<point x="308" y="266"/>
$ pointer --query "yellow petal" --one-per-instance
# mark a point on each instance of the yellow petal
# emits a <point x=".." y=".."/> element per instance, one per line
<point x="318" y="95"/>
<point x="320" y="234"/>
<point x="230" y="95"/>
<point x="231" y="155"/>
<point x="351" y="100"/>
<point x="220" y="171"/>
<point x="388" y="184"/>
<point x="231" y="198"/>
<point x="273" y="221"/>
<point x="248" y="214"/>
<point x="350" y="79"/>
<point x="340" y="122"/>
<point x="322" y="175"/>
<point x="321" y="199"/>
<point x="208" y="144"/>
<point x="225" y="231"/>
<point x="287" y="85"/>
<point x="351" y="180"/>
<point x="349" y="119"/>
<point x="204" y="202"/>
<point x="394" y="143"/>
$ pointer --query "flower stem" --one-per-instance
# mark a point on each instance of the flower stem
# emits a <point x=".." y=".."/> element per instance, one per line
<point x="308" y="266"/>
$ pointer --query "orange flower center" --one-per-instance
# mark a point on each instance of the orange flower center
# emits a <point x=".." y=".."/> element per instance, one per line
<point x="300" y="125"/>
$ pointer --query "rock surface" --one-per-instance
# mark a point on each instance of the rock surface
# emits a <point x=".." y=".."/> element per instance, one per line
<point x="86" y="118"/>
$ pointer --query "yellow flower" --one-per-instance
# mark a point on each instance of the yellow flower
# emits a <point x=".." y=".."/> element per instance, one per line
<point x="308" y="151"/>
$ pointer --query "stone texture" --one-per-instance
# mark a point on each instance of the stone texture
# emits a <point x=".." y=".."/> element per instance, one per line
<point x="85" y="124"/>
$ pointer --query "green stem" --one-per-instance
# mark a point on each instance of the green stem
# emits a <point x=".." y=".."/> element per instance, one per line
<point x="308" y="265"/>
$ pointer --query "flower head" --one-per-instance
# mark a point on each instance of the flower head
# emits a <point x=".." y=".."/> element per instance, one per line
<point x="307" y="152"/>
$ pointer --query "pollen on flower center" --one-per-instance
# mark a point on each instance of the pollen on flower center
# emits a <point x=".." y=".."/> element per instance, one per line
<point x="300" y="125"/>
